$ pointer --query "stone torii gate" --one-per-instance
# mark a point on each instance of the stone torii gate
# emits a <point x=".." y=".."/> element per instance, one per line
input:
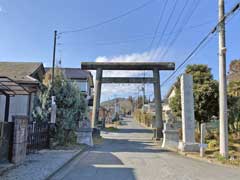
<point x="148" y="66"/>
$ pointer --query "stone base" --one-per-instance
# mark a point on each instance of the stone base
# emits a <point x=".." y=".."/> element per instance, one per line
<point x="170" y="139"/>
<point x="170" y="136"/>
<point x="84" y="136"/>
<point x="157" y="134"/>
<point x="188" y="147"/>
<point x="96" y="132"/>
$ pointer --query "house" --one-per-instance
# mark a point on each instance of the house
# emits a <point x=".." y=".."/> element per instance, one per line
<point x="26" y="76"/>
<point x="171" y="93"/>
<point x="165" y="105"/>
<point x="82" y="78"/>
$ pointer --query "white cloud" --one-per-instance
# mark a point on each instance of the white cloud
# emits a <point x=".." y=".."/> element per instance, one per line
<point x="125" y="90"/>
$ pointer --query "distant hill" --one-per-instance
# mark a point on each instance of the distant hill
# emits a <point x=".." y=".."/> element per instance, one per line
<point x="125" y="104"/>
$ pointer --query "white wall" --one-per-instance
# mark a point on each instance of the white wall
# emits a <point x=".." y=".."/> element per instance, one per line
<point x="2" y="107"/>
<point x="18" y="106"/>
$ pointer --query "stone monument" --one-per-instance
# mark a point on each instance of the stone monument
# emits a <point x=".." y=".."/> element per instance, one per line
<point x="188" y="143"/>
<point x="84" y="132"/>
<point x="170" y="132"/>
<point x="53" y="111"/>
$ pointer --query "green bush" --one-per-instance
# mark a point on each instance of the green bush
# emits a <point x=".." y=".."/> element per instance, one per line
<point x="212" y="144"/>
<point x="71" y="108"/>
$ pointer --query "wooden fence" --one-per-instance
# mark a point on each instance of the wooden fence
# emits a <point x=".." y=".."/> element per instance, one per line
<point x="38" y="137"/>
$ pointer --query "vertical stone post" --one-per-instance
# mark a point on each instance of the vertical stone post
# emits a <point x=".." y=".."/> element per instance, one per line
<point x="202" y="143"/>
<point x="19" y="139"/>
<point x="158" y="106"/>
<point x="97" y="96"/>
<point x="188" y="118"/>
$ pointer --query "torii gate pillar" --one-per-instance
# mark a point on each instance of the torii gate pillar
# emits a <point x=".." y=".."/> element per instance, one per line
<point x="158" y="125"/>
<point x="97" y="97"/>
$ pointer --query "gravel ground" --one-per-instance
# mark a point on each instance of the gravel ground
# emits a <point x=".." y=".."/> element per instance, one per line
<point x="40" y="165"/>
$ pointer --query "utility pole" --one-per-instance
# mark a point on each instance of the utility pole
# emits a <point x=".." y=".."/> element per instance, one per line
<point x="53" y="60"/>
<point x="143" y="89"/>
<point x="222" y="83"/>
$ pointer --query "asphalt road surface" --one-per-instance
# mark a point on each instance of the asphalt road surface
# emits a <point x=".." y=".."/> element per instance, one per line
<point x="130" y="154"/>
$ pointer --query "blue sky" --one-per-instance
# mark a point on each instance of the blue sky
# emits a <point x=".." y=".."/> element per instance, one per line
<point x="27" y="26"/>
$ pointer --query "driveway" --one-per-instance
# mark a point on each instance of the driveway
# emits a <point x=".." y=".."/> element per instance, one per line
<point x="130" y="154"/>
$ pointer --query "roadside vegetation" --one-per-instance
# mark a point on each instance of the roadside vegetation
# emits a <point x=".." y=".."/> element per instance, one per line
<point x="206" y="109"/>
<point x="144" y="118"/>
<point x="71" y="108"/>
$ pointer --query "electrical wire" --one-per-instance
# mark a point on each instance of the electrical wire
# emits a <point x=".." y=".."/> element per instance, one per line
<point x="166" y="26"/>
<point x="199" y="45"/>
<point x="188" y="17"/>
<point x="93" y="26"/>
<point x="177" y="21"/>
<point x="158" y="24"/>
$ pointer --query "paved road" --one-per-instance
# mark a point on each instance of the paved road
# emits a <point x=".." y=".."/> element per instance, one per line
<point x="130" y="154"/>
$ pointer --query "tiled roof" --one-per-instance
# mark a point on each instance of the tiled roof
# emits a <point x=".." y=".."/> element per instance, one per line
<point x="22" y="72"/>
<point x="76" y="73"/>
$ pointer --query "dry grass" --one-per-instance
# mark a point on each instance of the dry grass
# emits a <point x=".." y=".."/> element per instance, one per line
<point x="212" y="152"/>
<point x="111" y="129"/>
<point x="98" y="140"/>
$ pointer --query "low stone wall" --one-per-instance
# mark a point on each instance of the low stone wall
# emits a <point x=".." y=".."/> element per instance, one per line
<point x="19" y="139"/>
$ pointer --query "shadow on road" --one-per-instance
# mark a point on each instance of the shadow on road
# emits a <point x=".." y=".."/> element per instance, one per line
<point x="98" y="165"/>
<point x="127" y="145"/>
<point x="135" y="131"/>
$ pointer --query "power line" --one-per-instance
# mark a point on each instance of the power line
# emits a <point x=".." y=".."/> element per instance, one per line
<point x="158" y="24"/>
<point x="188" y="17"/>
<point x="210" y="39"/>
<point x="178" y="19"/>
<point x="231" y="12"/>
<point x="167" y="23"/>
<point x="111" y="19"/>
<point x="189" y="56"/>
<point x="145" y="36"/>
<point x="202" y="47"/>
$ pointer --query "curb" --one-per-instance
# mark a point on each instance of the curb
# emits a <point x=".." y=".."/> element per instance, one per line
<point x="8" y="168"/>
<point x="204" y="159"/>
<point x="67" y="162"/>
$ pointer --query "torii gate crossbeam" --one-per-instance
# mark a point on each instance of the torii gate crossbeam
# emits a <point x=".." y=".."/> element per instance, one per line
<point x="149" y="66"/>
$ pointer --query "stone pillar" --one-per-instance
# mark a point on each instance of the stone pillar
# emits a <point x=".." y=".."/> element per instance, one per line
<point x="202" y="142"/>
<point x="19" y="139"/>
<point x="97" y="96"/>
<point x="158" y="124"/>
<point x="188" y="118"/>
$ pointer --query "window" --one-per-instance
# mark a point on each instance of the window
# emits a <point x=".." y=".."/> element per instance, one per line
<point x="82" y="85"/>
